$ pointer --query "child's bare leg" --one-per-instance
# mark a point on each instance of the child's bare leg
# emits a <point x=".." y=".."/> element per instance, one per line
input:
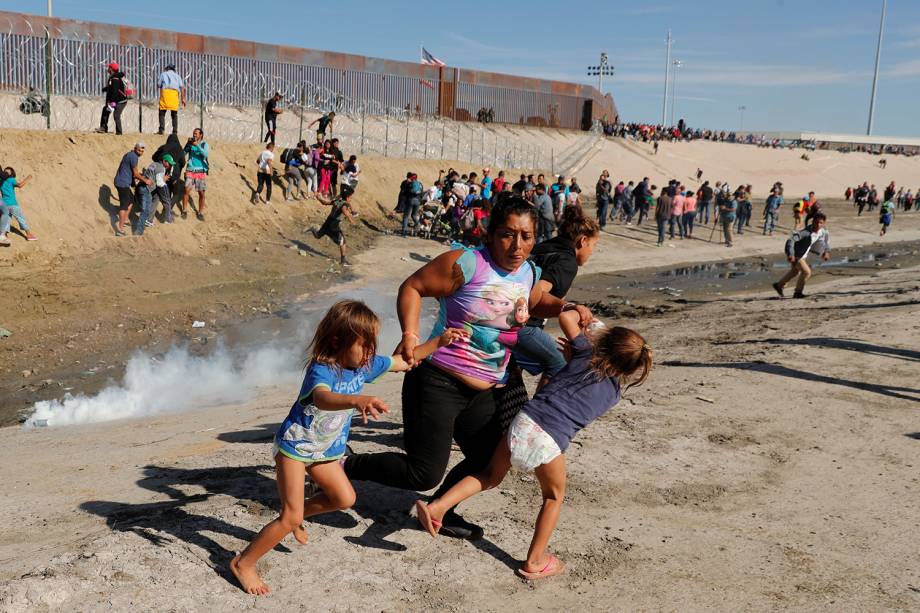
<point x="337" y="494"/>
<point x="552" y="484"/>
<point x="290" y="475"/>
<point x="491" y="477"/>
<point x="201" y="203"/>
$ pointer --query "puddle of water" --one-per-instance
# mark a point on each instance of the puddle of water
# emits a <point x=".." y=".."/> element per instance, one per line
<point x="654" y="287"/>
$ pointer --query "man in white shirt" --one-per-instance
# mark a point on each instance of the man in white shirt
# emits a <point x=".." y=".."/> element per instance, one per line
<point x="264" y="176"/>
<point x="814" y="238"/>
<point x="172" y="94"/>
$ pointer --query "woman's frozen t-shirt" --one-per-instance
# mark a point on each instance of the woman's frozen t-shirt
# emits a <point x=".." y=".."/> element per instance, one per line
<point x="492" y="305"/>
<point x="312" y="434"/>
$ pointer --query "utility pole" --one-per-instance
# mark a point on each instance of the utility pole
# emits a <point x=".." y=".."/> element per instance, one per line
<point x="742" y="109"/>
<point x="677" y="64"/>
<point x="49" y="8"/>
<point x="878" y="57"/>
<point x="667" y="79"/>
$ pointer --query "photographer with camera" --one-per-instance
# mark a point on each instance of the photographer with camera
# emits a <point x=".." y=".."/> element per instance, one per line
<point x="196" y="174"/>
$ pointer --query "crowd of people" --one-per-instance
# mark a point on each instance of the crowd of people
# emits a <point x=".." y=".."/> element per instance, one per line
<point x="893" y="199"/>
<point x="655" y="133"/>
<point x="457" y="207"/>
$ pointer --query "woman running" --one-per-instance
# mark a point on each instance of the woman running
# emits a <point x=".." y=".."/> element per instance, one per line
<point x="490" y="292"/>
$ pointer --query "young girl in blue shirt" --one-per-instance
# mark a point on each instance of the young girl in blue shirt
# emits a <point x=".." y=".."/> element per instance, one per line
<point x="312" y="439"/>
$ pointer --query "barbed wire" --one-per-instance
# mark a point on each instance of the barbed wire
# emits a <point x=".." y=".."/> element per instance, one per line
<point x="226" y="97"/>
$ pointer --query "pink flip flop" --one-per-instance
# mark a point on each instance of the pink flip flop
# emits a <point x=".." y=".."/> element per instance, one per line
<point x="433" y="526"/>
<point x="553" y="567"/>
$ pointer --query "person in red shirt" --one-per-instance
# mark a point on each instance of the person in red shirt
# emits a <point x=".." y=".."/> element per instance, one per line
<point x="498" y="184"/>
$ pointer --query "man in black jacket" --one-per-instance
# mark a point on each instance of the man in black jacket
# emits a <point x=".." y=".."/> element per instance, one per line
<point x="167" y="194"/>
<point x="640" y="197"/>
<point x="704" y="197"/>
<point x="116" y="99"/>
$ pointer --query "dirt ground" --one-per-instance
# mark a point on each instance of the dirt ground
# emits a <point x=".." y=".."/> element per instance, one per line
<point x="769" y="464"/>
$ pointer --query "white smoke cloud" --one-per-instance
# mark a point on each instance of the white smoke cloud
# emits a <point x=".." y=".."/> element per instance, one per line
<point x="179" y="381"/>
<point x="176" y="381"/>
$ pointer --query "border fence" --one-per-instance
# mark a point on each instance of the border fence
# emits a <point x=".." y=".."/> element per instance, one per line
<point x="227" y="72"/>
<point x="388" y="107"/>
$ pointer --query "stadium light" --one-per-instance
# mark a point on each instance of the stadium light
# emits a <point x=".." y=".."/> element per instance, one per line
<point x="742" y="109"/>
<point x="600" y="71"/>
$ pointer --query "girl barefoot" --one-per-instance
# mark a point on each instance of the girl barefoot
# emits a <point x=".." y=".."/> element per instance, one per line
<point x="580" y="393"/>
<point x="312" y="439"/>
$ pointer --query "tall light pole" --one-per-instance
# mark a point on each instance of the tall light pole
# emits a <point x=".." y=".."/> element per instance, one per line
<point x="600" y="71"/>
<point x="49" y="8"/>
<point x="677" y="64"/>
<point x="878" y="57"/>
<point x="742" y="109"/>
<point x="667" y="78"/>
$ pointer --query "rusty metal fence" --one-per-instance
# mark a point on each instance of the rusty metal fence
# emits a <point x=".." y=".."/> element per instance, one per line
<point x="378" y="111"/>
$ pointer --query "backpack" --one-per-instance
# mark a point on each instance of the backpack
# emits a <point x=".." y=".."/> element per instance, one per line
<point x="468" y="220"/>
<point x="127" y="88"/>
<point x="287" y="154"/>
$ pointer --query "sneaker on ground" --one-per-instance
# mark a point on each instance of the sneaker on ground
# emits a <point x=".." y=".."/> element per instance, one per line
<point x="183" y="214"/>
<point x="779" y="289"/>
<point x="148" y="223"/>
<point x="200" y="216"/>
<point x="4" y="240"/>
<point x="31" y="237"/>
<point x="346" y="263"/>
<point x="798" y="295"/>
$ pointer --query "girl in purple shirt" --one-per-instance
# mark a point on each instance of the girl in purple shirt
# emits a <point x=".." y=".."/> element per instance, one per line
<point x="589" y="385"/>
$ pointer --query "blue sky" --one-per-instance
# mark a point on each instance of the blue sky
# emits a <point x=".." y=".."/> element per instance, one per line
<point x="794" y="64"/>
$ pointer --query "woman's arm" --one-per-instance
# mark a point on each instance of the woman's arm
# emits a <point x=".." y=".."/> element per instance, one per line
<point x="24" y="181"/>
<point x="438" y="278"/>
<point x="427" y="348"/>
<point x="543" y="304"/>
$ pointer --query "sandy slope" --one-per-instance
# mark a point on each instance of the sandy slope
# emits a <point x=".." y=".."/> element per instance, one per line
<point x="768" y="464"/>
<point x="827" y="173"/>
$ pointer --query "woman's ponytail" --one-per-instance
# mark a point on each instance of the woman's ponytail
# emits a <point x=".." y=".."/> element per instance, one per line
<point x="574" y="224"/>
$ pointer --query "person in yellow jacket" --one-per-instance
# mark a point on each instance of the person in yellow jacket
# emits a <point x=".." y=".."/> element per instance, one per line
<point x="172" y="94"/>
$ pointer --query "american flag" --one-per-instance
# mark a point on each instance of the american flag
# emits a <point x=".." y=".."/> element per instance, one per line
<point x="429" y="59"/>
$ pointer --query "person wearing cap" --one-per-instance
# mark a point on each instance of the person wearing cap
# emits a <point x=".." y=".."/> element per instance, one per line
<point x="116" y="98"/>
<point x="156" y="174"/>
<point x="126" y="177"/>
<point x="271" y="117"/>
<point x="172" y="94"/>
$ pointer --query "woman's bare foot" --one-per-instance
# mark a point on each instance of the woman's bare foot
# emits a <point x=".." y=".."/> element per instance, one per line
<point x="249" y="578"/>
<point x="300" y="534"/>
